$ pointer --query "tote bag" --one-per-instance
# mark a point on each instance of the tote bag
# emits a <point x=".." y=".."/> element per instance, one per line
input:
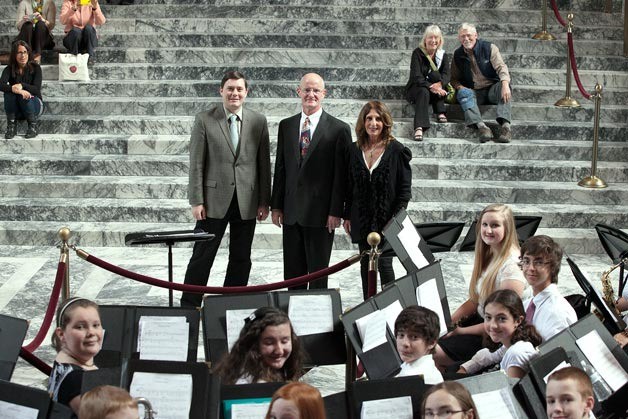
<point x="73" y="67"/>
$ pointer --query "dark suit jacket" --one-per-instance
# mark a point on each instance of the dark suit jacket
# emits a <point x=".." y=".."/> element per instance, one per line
<point x="216" y="169"/>
<point x="309" y="193"/>
<point x="373" y="199"/>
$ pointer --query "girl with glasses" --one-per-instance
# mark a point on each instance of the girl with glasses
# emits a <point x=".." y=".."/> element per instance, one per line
<point x="446" y="400"/>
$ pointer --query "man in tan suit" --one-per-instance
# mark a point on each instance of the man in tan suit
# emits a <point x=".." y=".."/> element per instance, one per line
<point x="229" y="183"/>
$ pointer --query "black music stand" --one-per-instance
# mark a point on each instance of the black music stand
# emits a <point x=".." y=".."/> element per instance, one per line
<point x="613" y="323"/>
<point x="526" y="226"/>
<point x="169" y="238"/>
<point x="615" y="242"/>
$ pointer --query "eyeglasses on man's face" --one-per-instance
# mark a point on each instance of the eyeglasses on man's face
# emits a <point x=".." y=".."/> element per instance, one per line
<point x="537" y="263"/>
<point x="445" y="413"/>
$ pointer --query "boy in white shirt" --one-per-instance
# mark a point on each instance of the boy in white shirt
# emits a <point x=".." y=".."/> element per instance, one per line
<point x="416" y="332"/>
<point x="547" y="310"/>
<point x="569" y="394"/>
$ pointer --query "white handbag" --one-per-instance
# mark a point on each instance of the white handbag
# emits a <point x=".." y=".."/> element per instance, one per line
<point x="73" y="67"/>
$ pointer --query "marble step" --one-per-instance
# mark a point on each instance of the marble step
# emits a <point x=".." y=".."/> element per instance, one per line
<point x="181" y="125"/>
<point x="177" y="211"/>
<point x="423" y="168"/>
<point x="423" y="190"/>
<point x="445" y="148"/>
<point x="520" y="43"/>
<point x="260" y="88"/>
<point x="88" y="236"/>
<point x="343" y="109"/>
<point x="219" y="56"/>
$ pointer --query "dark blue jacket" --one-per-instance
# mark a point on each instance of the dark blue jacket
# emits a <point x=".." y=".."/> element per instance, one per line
<point x="482" y="53"/>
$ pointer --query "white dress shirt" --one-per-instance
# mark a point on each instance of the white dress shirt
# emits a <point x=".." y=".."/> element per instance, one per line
<point x="553" y="313"/>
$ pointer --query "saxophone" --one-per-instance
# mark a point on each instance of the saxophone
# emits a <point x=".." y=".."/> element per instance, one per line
<point x="608" y="294"/>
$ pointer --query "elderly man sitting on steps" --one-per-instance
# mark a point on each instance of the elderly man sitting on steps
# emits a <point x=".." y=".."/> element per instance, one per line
<point x="480" y="76"/>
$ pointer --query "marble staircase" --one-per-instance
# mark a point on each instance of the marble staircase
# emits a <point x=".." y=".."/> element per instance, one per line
<point x="113" y="158"/>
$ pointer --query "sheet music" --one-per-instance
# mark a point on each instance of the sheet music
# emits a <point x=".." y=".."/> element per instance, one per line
<point x="428" y="297"/>
<point x="163" y="338"/>
<point x="170" y="394"/>
<point x="560" y="366"/>
<point x="15" y="411"/>
<point x="391" y="312"/>
<point x="602" y="360"/>
<point x="495" y="404"/>
<point x="249" y="410"/>
<point x="383" y="408"/>
<point x="235" y="322"/>
<point x="311" y="314"/>
<point x="410" y="240"/>
<point x="372" y="329"/>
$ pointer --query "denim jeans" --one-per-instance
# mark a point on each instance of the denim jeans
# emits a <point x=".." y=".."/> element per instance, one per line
<point x="491" y="95"/>
<point x="16" y="104"/>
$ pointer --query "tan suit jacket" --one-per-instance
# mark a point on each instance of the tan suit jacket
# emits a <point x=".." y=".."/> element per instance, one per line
<point x="216" y="169"/>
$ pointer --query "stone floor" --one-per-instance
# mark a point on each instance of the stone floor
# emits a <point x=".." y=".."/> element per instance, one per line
<point x="28" y="273"/>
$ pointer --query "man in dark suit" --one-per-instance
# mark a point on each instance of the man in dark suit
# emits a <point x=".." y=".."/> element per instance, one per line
<point x="309" y="182"/>
<point x="229" y="183"/>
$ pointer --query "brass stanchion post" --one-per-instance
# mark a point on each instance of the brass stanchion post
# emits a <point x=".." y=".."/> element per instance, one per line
<point x="593" y="181"/>
<point x="544" y="35"/>
<point x="568" y="101"/>
<point x="64" y="234"/>
<point x="373" y="239"/>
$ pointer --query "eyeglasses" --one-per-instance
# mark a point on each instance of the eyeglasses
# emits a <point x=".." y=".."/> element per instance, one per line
<point x="537" y="263"/>
<point x="316" y="92"/>
<point x="440" y="414"/>
<point x="22" y="53"/>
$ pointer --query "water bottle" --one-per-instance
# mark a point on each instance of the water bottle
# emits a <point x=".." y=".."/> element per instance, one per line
<point x="601" y="389"/>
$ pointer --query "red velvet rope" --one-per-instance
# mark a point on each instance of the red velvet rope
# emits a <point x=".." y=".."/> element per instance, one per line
<point x="198" y="289"/>
<point x="372" y="283"/>
<point x="559" y="18"/>
<point x="574" y="68"/>
<point x="35" y="361"/>
<point x="50" y="311"/>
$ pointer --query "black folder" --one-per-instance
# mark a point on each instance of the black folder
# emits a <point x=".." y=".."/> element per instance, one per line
<point x="33" y="398"/>
<point x="12" y="333"/>
<point x="434" y="271"/>
<point x="391" y="231"/>
<point x="336" y="405"/>
<point x="567" y="340"/>
<point x="322" y="349"/>
<point x="206" y="387"/>
<point x="253" y="392"/>
<point x="526" y="227"/>
<point x="440" y="237"/>
<point x="121" y="331"/>
<point x="491" y="382"/>
<point x="361" y="391"/>
<point x="614" y="241"/>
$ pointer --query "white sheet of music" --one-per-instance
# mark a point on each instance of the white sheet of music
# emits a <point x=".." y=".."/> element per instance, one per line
<point x="391" y="312"/>
<point x="372" y="329"/>
<point x="428" y="297"/>
<point x="384" y="408"/>
<point x="560" y="366"/>
<point x="311" y="314"/>
<point x="163" y="338"/>
<point x="249" y="410"/>
<point x="16" y="411"/>
<point x="170" y="394"/>
<point x="602" y="360"/>
<point x="235" y="322"/>
<point x="410" y="238"/>
<point x="495" y="404"/>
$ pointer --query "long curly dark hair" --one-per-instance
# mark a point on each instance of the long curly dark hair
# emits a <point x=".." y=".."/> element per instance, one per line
<point x="245" y="357"/>
<point x="384" y="113"/>
<point x="13" y="64"/>
<point x="511" y="301"/>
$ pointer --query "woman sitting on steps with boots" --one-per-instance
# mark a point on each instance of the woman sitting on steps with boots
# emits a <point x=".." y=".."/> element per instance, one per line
<point x="21" y="84"/>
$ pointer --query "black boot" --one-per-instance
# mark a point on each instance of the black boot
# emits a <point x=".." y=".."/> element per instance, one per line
<point x="31" y="132"/>
<point x="11" y="126"/>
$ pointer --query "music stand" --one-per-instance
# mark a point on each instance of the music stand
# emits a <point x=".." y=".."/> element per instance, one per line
<point x="526" y="226"/>
<point x="613" y="323"/>
<point x="401" y="236"/>
<point x="615" y="242"/>
<point x="169" y="238"/>
<point x="440" y="237"/>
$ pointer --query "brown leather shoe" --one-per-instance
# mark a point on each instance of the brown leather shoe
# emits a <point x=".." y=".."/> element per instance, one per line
<point x="485" y="134"/>
<point x="505" y="135"/>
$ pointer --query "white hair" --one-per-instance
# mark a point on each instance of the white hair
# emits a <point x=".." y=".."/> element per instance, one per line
<point x="467" y="26"/>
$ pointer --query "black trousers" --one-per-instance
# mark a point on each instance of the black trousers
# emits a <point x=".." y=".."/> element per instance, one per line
<point x="241" y="234"/>
<point x="384" y="266"/>
<point x="422" y="98"/>
<point x="79" y="41"/>
<point x="37" y="36"/>
<point x="306" y="250"/>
